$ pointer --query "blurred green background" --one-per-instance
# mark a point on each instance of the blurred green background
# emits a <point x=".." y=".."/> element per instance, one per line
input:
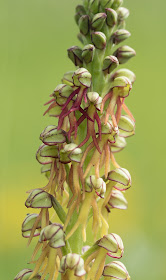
<point x="34" y="37"/>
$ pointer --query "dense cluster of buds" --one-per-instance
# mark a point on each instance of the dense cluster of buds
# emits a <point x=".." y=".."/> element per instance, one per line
<point x="90" y="125"/>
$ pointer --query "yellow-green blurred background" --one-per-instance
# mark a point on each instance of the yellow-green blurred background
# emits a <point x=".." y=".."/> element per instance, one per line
<point x="34" y="37"/>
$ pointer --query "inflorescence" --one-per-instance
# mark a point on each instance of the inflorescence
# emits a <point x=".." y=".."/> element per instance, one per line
<point x="78" y="154"/>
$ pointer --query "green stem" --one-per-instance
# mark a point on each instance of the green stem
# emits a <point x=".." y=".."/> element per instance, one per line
<point x="98" y="79"/>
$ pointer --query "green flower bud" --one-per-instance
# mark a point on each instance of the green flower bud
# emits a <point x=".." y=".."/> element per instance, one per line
<point x="75" y="54"/>
<point x="94" y="6"/>
<point x="88" y="53"/>
<point x="113" y="244"/>
<point x="98" y="21"/>
<point x="116" y="4"/>
<point x="82" y="77"/>
<point x="112" y="17"/>
<point x="122" y="178"/>
<point x="99" y="40"/>
<point x="116" y="270"/>
<point x="106" y="3"/>
<point x="126" y="126"/>
<point x="124" y="72"/>
<point x="52" y="136"/>
<point x="80" y="10"/>
<point x="123" y="14"/>
<point x="122" y="86"/>
<point x="73" y="262"/>
<point x="98" y="184"/>
<point x="117" y="200"/>
<point x="120" y="35"/>
<point x="54" y="234"/>
<point x="84" y="24"/>
<point x="124" y="53"/>
<point x="70" y="153"/>
<point x="120" y="143"/>
<point x="109" y="64"/>
<point x="27" y="226"/>
<point x="45" y="154"/>
<point x="63" y="90"/>
<point x="93" y="97"/>
<point x="38" y="199"/>
<point x="68" y="78"/>
<point x="25" y="274"/>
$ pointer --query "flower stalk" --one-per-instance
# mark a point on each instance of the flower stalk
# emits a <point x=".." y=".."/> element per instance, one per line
<point x="90" y="124"/>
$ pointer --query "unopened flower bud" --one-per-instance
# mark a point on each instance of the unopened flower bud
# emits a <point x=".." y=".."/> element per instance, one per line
<point x="116" y="271"/>
<point x="122" y="178"/>
<point x="120" y="35"/>
<point x="112" y="17"/>
<point x="68" y="78"/>
<point x="82" y="77"/>
<point x="123" y="14"/>
<point x="116" y="4"/>
<point x="93" y="97"/>
<point x="113" y="244"/>
<point x="88" y="53"/>
<point x="98" y="184"/>
<point x="25" y="274"/>
<point x="80" y="11"/>
<point x="45" y="154"/>
<point x="106" y="3"/>
<point x="70" y="153"/>
<point x="98" y="21"/>
<point x="124" y="53"/>
<point x="110" y="63"/>
<point x="38" y="199"/>
<point x="126" y="126"/>
<point x="75" y="54"/>
<point x="99" y="40"/>
<point x="117" y="200"/>
<point x="63" y="90"/>
<point x="84" y="24"/>
<point x="73" y="262"/>
<point x="54" y="234"/>
<point x="124" y="72"/>
<point x="52" y="136"/>
<point x="120" y="143"/>
<point x="94" y="6"/>
<point x="27" y="226"/>
<point x="122" y="86"/>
